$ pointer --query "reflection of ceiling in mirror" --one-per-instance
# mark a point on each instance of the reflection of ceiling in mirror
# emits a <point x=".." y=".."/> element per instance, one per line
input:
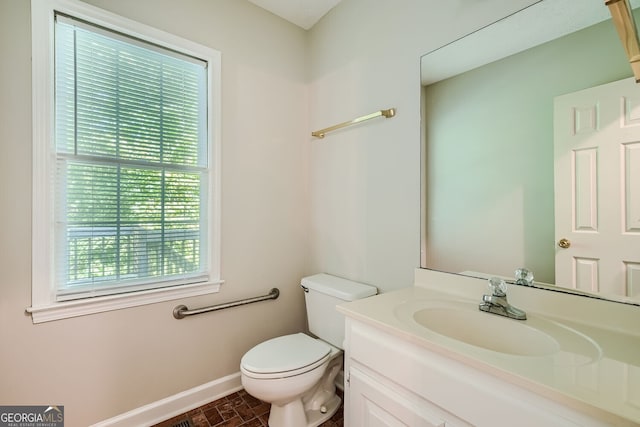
<point x="539" y="23"/>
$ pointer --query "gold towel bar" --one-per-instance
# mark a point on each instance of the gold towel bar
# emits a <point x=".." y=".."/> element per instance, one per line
<point x="626" y="27"/>
<point x="385" y="113"/>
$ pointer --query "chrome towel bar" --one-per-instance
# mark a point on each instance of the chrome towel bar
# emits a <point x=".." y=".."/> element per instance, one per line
<point x="181" y="311"/>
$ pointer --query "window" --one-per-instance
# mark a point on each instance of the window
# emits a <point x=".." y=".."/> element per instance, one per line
<point x="125" y="163"/>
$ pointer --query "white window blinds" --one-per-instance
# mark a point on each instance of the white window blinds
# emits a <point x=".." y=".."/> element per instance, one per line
<point x="131" y="164"/>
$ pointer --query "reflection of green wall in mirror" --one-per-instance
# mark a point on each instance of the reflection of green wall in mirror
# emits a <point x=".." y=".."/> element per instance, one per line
<point x="489" y="156"/>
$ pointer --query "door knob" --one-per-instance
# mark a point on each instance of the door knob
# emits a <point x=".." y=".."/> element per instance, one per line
<point x="564" y="243"/>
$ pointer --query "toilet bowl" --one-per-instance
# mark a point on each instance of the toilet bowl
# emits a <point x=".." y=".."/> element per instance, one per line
<point x="296" y="373"/>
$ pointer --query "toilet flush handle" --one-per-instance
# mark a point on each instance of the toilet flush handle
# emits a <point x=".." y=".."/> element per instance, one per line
<point x="304" y="288"/>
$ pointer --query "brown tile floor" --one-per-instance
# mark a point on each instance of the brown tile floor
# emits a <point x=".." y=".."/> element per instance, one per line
<point x="239" y="409"/>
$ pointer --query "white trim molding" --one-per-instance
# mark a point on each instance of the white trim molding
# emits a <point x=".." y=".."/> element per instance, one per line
<point x="62" y="310"/>
<point x="46" y="303"/>
<point x="177" y="404"/>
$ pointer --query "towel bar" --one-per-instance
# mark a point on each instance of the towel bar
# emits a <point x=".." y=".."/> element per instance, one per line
<point x="391" y="112"/>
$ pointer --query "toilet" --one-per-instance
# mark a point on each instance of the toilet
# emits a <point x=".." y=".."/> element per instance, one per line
<point x="296" y="373"/>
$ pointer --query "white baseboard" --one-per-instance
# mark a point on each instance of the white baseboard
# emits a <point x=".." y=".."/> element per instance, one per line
<point x="177" y="404"/>
<point x="171" y="406"/>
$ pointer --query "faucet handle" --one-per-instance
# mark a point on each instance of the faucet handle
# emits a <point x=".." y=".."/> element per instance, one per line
<point x="524" y="277"/>
<point x="498" y="287"/>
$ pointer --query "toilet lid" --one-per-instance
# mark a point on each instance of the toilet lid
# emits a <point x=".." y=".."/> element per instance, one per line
<point x="286" y="353"/>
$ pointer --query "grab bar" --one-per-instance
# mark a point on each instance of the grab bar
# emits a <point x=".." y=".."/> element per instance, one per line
<point x="181" y="311"/>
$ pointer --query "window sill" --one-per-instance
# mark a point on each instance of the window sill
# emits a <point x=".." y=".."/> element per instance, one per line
<point x="67" y="309"/>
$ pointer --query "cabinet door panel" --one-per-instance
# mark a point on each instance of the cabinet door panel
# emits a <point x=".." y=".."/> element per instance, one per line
<point x="375" y="405"/>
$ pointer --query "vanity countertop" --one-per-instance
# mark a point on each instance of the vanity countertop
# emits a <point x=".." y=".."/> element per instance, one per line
<point x="605" y="386"/>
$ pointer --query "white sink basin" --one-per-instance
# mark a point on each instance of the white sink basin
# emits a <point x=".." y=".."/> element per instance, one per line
<point x="535" y="337"/>
<point x="487" y="331"/>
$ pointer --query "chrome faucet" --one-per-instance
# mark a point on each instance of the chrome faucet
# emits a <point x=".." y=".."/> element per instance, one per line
<point x="497" y="303"/>
<point x="524" y="277"/>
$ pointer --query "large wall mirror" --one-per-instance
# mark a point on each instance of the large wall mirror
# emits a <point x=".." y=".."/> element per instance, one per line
<point x="488" y="137"/>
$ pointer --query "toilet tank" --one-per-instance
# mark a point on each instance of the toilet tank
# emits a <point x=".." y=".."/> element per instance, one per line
<point x="322" y="293"/>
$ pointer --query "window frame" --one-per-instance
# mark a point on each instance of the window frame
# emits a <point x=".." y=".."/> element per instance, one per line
<point x="44" y="305"/>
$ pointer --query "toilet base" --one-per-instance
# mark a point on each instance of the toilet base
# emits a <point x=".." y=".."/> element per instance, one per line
<point x="316" y="406"/>
<point x="293" y="414"/>
<point x="316" y="417"/>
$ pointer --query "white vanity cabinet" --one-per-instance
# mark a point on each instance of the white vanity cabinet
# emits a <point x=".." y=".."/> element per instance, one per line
<point x="376" y="402"/>
<point x="393" y="380"/>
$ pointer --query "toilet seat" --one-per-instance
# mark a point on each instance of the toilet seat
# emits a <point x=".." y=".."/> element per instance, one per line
<point x="285" y="356"/>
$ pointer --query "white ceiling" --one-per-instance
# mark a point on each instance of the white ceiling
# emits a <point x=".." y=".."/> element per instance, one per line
<point x="303" y="13"/>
